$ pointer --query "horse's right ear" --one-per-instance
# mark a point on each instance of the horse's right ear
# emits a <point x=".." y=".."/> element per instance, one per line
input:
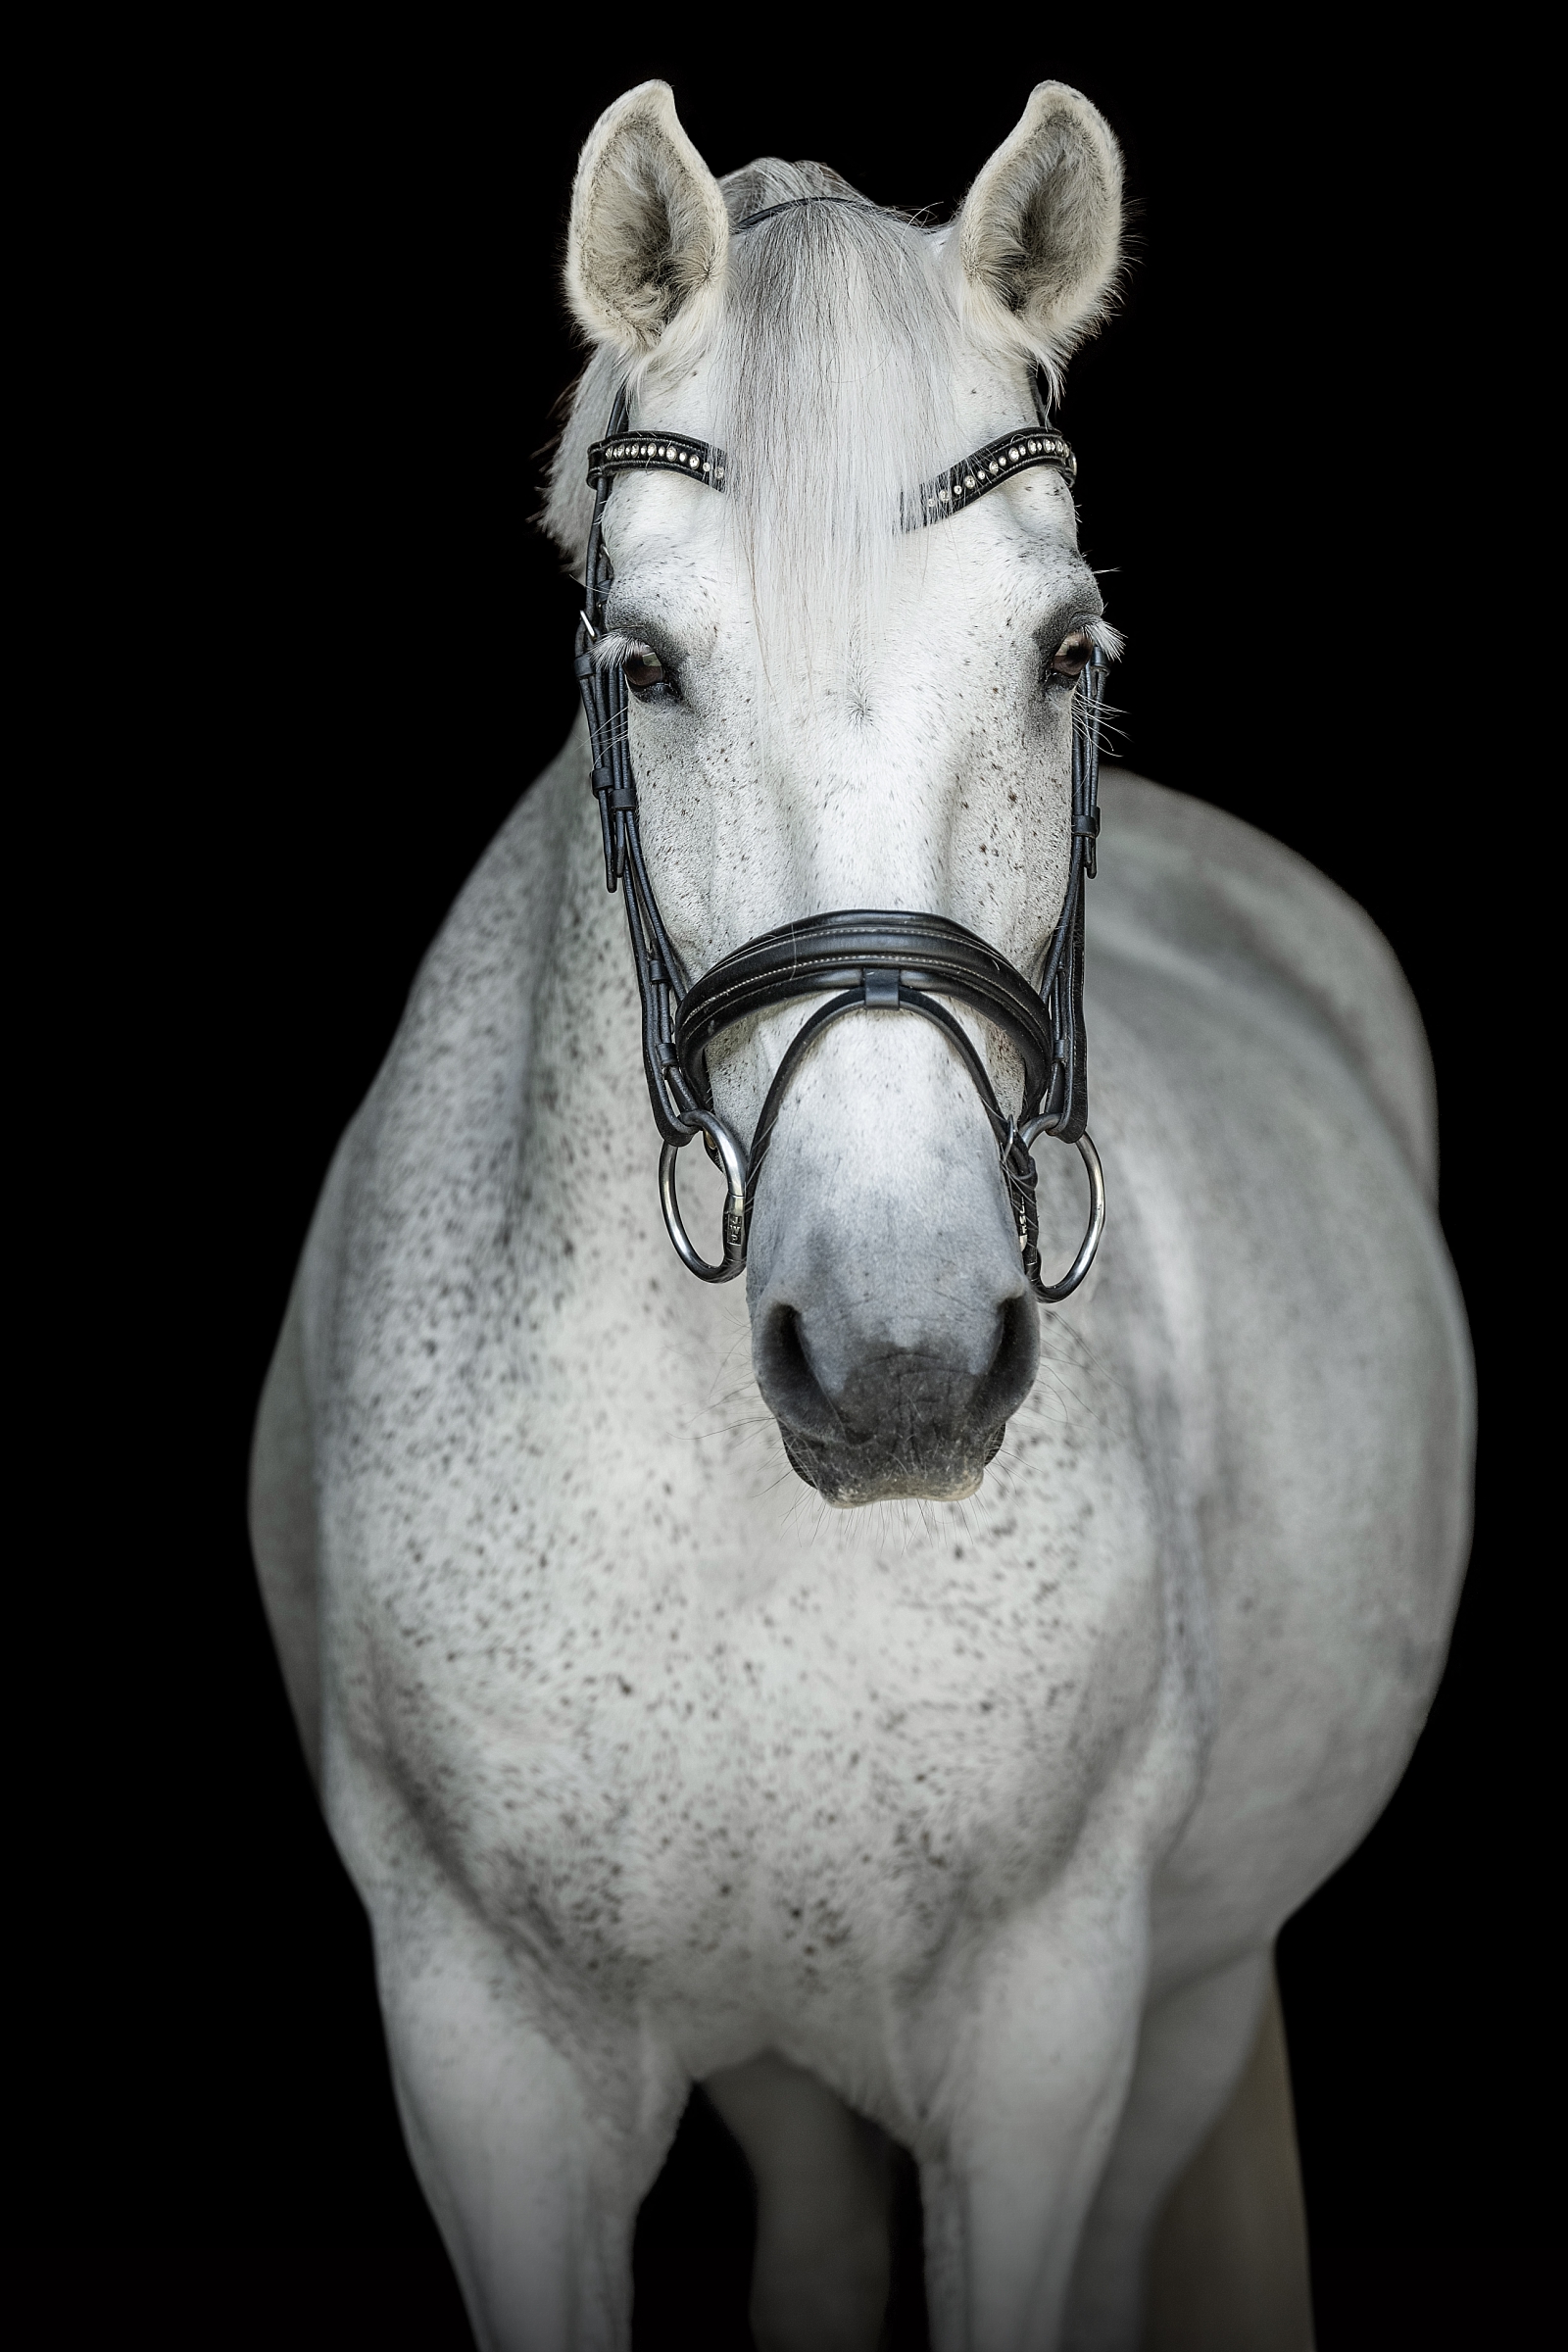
<point x="649" y="235"/>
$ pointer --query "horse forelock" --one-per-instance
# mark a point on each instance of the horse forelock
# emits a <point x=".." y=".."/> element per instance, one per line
<point x="832" y="370"/>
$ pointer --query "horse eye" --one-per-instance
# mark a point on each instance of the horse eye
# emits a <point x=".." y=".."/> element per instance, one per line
<point x="1071" y="657"/>
<point x="642" y="669"/>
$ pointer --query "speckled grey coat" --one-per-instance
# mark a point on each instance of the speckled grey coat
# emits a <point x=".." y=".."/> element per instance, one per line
<point x="982" y="1814"/>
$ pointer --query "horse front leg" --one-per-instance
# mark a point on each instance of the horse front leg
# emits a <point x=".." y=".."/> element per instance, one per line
<point x="1025" y="2116"/>
<point x="822" y="2267"/>
<point x="1196" y="2239"/>
<point x="534" y="2139"/>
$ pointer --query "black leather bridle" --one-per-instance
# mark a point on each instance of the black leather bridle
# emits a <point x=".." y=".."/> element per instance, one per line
<point x="859" y="959"/>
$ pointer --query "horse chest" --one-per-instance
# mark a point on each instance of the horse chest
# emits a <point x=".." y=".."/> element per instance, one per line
<point x="711" y="1754"/>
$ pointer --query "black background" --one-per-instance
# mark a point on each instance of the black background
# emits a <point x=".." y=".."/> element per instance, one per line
<point x="331" y="650"/>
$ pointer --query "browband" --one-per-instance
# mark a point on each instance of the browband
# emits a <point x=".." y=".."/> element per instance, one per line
<point x="945" y="494"/>
<point x="658" y="453"/>
<point x="972" y="477"/>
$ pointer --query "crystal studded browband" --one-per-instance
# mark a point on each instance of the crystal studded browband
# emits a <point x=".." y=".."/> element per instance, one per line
<point x="656" y="453"/>
<point x="945" y="494"/>
<point x="972" y="477"/>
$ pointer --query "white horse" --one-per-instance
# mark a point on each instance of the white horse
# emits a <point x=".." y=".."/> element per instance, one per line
<point x="970" y="1812"/>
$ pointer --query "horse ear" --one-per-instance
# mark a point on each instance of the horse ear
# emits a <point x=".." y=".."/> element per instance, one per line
<point x="648" y="230"/>
<point x="1039" y="234"/>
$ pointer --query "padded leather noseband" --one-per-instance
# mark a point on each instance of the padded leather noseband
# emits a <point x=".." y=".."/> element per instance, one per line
<point x="834" y="951"/>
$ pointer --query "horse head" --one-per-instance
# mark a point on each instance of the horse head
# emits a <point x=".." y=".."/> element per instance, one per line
<point x="828" y="709"/>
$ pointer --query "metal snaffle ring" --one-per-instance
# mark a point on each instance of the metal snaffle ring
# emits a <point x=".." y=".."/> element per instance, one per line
<point x="732" y="1159"/>
<point x="1051" y="1292"/>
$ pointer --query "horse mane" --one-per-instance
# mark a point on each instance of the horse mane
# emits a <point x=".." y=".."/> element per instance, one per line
<point x="833" y="368"/>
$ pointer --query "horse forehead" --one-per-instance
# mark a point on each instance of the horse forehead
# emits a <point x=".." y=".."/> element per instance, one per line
<point x="668" y="538"/>
<point x="982" y="575"/>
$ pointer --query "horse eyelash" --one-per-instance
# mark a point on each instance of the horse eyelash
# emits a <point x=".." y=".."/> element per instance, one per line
<point x="611" y="648"/>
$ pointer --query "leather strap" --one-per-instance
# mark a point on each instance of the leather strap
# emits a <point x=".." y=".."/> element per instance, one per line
<point x="986" y="469"/>
<point x="656" y="453"/>
<point x="1016" y="1159"/>
<point x="856" y="204"/>
<point x="851" y="951"/>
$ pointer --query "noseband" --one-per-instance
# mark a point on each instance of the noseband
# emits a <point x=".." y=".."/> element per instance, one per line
<point x="859" y="960"/>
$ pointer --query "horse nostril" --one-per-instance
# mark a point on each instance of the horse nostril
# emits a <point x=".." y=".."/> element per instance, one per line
<point x="1010" y="1375"/>
<point x="911" y="1395"/>
<point x="787" y="1380"/>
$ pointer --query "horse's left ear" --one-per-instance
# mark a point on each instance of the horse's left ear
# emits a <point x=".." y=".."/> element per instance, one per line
<point x="1040" y="234"/>
<point x="649" y="235"/>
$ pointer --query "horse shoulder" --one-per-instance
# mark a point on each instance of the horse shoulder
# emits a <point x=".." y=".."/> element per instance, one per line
<point x="1182" y="879"/>
<point x="461" y="995"/>
<point x="1261" y="1030"/>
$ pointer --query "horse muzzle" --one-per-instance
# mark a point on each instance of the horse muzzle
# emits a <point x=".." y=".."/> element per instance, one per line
<point x="868" y="1415"/>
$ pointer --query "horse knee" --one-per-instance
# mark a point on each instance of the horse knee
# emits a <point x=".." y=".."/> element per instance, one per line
<point x="822" y="2267"/>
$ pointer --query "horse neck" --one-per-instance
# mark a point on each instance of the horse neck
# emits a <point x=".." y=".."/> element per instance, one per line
<point x="587" y="1134"/>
